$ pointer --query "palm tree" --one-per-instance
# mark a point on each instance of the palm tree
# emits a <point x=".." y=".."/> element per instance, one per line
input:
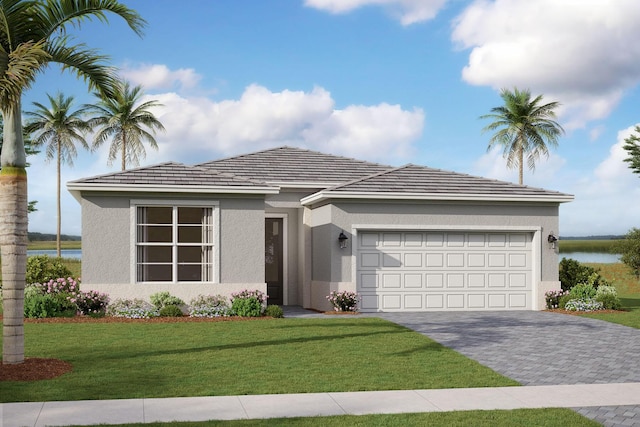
<point x="523" y="127"/>
<point x="123" y="119"/>
<point x="59" y="129"/>
<point x="32" y="36"/>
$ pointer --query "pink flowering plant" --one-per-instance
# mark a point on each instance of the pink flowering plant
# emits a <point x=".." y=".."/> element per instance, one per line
<point x="344" y="300"/>
<point x="91" y="303"/>
<point x="248" y="303"/>
<point x="553" y="298"/>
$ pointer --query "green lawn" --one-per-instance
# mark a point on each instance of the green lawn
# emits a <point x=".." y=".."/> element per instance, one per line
<point x="135" y="360"/>
<point x="46" y="244"/>
<point x="628" y="287"/>
<point x="518" y="417"/>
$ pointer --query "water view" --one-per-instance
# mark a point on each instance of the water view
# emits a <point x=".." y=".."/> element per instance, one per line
<point x="65" y="253"/>
<point x="596" y="257"/>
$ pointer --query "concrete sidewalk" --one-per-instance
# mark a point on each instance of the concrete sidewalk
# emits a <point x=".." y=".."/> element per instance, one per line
<point x="315" y="404"/>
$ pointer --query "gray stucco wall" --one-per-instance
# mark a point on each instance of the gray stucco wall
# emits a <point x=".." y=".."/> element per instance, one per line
<point x="106" y="237"/>
<point x="106" y="241"/>
<point x="332" y="264"/>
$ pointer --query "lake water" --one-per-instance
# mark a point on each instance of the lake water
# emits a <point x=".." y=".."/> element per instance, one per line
<point x="65" y="253"/>
<point x="596" y="257"/>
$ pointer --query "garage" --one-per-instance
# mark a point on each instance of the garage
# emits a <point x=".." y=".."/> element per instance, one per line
<point x="444" y="270"/>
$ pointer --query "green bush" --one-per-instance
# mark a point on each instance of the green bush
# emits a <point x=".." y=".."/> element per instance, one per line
<point x="164" y="299"/>
<point x="629" y="247"/>
<point x="274" y="311"/>
<point x="248" y="303"/>
<point x="563" y="300"/>
<point x="170" y="311"/>
<point x="608" y="296"/>
<point x="38" y="305"/>
<point x="247" y="307"/>
<point x="582" y="291"/>
<point x="571" y="272"/>
<point x="42" y="269"/>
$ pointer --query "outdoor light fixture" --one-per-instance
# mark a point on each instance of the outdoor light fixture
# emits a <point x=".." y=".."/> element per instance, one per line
<point x="342" y="239"/>
<point x="552" y="240"/>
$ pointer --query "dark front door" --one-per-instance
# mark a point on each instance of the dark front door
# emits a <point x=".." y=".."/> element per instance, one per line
<point x="273" y="262"/>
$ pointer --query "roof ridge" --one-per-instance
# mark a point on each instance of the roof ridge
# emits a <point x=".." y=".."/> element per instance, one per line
<point x="373" y="175"/>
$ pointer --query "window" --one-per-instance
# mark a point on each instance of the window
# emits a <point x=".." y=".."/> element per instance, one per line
<point x="174" y="244"/>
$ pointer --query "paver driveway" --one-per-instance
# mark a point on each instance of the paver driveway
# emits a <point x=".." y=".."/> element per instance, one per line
<point x="535" y="348"/>
<point x="539" y="348"/>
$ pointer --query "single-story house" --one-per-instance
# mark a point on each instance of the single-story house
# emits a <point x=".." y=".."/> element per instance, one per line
<point x="298" y="224"/>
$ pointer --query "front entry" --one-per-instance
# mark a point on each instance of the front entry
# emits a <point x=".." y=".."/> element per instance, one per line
<point x="273" y="259"/>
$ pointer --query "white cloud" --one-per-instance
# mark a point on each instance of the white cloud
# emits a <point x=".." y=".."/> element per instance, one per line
<point x="200" y="129"/>
<point x="608" y="197"/>
<point x="407" y="11"/>
<point x="575" y="51"/>
<point x="493" y="165"/>
<point x="158" y="76"/>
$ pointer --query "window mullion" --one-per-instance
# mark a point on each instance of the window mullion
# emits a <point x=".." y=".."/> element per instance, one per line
<point x="174" y="232"/>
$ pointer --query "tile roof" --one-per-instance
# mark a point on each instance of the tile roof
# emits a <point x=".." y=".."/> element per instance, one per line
<point x="421" y="179"/>
<point x="296" y="165"/>
<point x="171" y="174"/>
<point x="265" y="171"/>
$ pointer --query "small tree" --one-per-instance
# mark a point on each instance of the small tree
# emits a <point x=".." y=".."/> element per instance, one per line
<point x="629" y="248"/>
<point x="633" y="150"/>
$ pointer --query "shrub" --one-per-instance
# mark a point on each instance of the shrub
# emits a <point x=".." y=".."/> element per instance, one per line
<point x="209" y="306"/>
<point x="39" y="305"/>
<point x="163" y="299"/>
<point x="608" y="296"/>
<point x="55" y="286"/>
<point x="571" y="272"/>
<point x="170" y="311"/>
<point x="131" y="309"/>
<point x="41" y="269"/>
<point x="248" y="303"/>
<point x="91" y="303"/>
<point x="343" y="300"/>
<point x="274" y="311"/>
<point x="553" y="298"/>
<point x="582" y="291"/>
<point x="630" y="250"/>
<point x="589" y="304"/>
<point x="563" y="300"/>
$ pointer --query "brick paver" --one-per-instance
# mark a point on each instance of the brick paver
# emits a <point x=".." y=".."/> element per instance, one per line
<point x="541" y="348"/>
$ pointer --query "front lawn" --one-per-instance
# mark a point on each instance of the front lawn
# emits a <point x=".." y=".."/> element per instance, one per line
<point x="628" y="287"/>
<point x="143" y="359"/>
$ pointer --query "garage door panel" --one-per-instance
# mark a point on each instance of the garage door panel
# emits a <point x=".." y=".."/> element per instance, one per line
<point x="412" y="280"/>
<point x="415" y="271"/>
<point x="391" y="281"/>
<point x="476" y="301"/>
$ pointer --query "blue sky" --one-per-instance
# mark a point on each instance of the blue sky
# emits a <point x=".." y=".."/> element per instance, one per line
<point x="391" y="81"/>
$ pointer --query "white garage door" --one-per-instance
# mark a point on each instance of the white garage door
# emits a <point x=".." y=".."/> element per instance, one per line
<point x="419" y="271"/>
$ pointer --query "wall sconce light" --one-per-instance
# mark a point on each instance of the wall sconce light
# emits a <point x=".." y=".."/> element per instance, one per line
<point x="552" y="240"/>
<point x="342" y="240"/>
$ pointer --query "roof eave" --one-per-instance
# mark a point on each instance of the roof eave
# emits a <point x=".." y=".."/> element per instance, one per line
<point x="76" y="188"/>
<point x="325" y="195"/>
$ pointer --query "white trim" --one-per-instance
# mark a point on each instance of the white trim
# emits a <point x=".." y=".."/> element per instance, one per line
<point x="536" y="245"/>
<point x="215" y="207"/>
<point x="75" y="189"/>
<point x="285" y="253"/>
<point x="325" y="195"/>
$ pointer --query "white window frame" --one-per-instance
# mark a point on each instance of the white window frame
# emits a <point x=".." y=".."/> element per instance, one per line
<point x="285" y="253"/>
<point x="215" y="214"/>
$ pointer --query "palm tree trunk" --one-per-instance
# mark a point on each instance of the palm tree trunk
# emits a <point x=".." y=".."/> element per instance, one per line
<point x="124" y="150"/>
<point x="13" y="235"/>
<point x="58" y="248"/>
<point x="521" y="162"/>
